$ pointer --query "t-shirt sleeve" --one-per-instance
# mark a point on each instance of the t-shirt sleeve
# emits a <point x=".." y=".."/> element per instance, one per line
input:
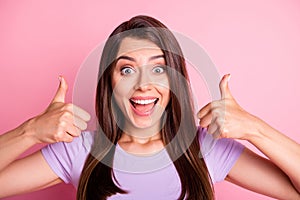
<point x="219" y="154"/>
<point x="67" y="159"/>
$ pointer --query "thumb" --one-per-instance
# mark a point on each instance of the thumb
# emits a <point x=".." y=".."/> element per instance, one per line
<point x="61" y="91"/>
<point x="224" y="89"/>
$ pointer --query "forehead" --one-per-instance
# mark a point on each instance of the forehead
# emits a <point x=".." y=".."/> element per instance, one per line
<point x="131" y="45"/>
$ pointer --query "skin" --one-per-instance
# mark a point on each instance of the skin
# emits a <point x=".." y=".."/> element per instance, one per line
<point x="278" y="175"/>
<point x="60" y="122"/>
<point x="139" y="73"/>
<point x="275" y="177"/>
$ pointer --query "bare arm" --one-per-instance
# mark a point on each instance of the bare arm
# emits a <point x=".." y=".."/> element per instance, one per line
<point x="258" y="174"/>
<point x="13" y="144"/>
<point x="226" y="119"/>
<point x="281" y="150"/>
<point x="27" y="175"/>
<point x="60" y="122"/>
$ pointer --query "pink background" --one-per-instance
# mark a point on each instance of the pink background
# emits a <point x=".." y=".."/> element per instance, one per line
<point x="256" y="41"/>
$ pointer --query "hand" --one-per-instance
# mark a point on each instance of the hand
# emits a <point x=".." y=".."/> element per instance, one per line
<point x="225" y="118"/>
<point x="60" y="122"/>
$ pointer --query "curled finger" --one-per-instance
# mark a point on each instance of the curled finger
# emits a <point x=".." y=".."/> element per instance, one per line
<point x="213" y="126"/>
<point x="80" y="123"/>
<point x="216" y="134"/>
<point x="72" y="130"/>
<point x="67" y="137"/>
<point x="205" y="121"/>
<point x="79" y="112"/>
<point x="203" y="111"/>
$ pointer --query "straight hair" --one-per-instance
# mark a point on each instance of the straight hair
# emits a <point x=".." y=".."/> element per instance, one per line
<point x="97" y="179"/>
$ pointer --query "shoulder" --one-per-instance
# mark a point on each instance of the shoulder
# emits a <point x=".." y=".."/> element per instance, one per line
<point x="82" y="143"/>
<point x="67" y="159"/>
<point x="207" y="142"/>
<point x="219" y="154"/>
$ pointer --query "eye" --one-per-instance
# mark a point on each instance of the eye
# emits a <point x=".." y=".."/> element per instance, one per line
<point x="158" y="69"/>
<point x="127" y="70"/>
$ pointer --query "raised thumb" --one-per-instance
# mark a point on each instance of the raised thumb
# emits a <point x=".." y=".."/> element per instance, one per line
<point x="224" y="89"/>
<point x="61" y="91"/>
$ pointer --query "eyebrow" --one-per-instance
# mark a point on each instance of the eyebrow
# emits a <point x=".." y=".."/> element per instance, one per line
<point x="133" y="60"/>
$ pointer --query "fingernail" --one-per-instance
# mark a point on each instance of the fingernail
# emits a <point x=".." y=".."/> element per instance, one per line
<point x="229" y="77"/>
<point x="59" y="78"/>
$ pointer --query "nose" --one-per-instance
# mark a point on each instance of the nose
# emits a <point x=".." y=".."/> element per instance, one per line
<point x="143" y="81"/>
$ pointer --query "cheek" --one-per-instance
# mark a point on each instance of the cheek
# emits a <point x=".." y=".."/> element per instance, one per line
<point x="167" y="90"/>
<point x="122" y="90"/>
<point x="166" y="96"/>
<point x="161" y="81"/>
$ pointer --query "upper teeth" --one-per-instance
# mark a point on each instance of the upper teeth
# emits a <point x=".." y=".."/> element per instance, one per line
<point x="143" y="102"/>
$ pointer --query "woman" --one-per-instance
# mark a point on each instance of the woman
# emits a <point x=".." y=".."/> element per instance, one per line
<point x="145" y="116"/>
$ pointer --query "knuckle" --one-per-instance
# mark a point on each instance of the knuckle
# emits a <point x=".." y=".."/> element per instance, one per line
<point x="214" y="104"/>
<point x="68" y="106"/>
<point x="66" y="115"/>
<point x="62" y="123"/>
<point x="215" y="113"/>
<point x="221" y="130"/>
<point x="224" y="132"/>
<point x="58" y="137"/>
<point x="219" y="122"/>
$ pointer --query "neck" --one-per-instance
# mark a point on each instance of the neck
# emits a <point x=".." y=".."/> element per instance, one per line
<point x="142" y="135"/>
<point x="141" y="145"/>
<point x="134" y="138"/>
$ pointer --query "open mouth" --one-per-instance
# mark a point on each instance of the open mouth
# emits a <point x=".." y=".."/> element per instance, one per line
<point x="143" y="106"/>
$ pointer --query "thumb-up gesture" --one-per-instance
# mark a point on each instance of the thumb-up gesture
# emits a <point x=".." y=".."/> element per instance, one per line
<point x="224" y="118"/>
<point x="61" y="121"/>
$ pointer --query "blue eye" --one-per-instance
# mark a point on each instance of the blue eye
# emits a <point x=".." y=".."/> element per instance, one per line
<point x="126" y="71"/>
<point x="159" y="69"/>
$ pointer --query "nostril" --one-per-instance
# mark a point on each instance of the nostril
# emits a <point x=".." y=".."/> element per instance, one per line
<point x="144" y="86"/>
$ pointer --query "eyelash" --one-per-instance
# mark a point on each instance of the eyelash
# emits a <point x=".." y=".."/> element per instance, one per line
<point x="163" y="68"/>
<point x="125" y="68"/>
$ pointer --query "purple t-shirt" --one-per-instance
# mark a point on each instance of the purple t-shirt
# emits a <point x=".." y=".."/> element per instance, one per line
<point x="144" y="177"/>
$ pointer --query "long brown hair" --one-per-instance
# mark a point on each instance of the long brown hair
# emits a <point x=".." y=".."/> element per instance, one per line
<point x="97" y="179"/>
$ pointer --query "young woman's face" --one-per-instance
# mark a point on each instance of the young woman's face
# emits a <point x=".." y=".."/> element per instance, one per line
<point x="140" y="83"/>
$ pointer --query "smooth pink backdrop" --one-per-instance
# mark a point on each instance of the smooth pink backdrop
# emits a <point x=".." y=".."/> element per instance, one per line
<point x="256" y="41"/>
